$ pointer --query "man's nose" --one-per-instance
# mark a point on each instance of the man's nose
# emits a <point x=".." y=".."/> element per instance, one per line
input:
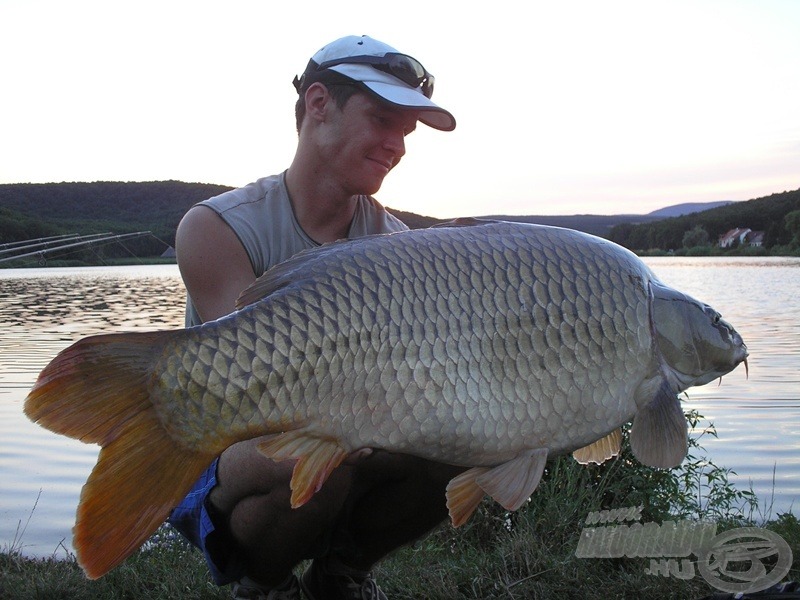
<point x="396" y="142"/>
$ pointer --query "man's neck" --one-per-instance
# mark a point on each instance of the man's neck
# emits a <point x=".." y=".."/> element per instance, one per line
<point x="323" y="211"/>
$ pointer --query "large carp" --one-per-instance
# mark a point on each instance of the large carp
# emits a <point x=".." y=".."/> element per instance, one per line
<point x="493" y="346"/>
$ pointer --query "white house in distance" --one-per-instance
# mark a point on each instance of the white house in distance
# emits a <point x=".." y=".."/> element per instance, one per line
<point x="741" y="236"/>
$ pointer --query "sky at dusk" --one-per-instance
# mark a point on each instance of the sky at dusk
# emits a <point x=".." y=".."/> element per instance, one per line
<point x="562" y="107"/>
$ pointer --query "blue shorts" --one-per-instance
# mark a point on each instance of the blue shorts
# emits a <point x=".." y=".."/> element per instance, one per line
<point x="192" y="518"/>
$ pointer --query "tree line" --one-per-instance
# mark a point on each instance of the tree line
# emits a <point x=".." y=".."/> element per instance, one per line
<point x="29" y="211"/>
<point x="777" y="215"/>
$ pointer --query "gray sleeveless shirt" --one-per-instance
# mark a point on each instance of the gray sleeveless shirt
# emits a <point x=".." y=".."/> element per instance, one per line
<point x="261" y="216"/>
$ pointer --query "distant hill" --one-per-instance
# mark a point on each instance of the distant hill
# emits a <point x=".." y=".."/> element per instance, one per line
<point x="687" y="208"/>
<point x="599" y="225"/>
<point x="767" y="214"/>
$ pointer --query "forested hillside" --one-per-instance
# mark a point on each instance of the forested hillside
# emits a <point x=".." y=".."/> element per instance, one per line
<point x="775" y="215"/>
<point x="35" y="210"/>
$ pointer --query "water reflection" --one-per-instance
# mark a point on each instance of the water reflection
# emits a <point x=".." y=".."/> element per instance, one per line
<point x="43" y="311"/>
<point x="757" y="418"/>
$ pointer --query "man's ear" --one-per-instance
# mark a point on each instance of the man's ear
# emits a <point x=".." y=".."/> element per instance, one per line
<point x="318" y="101"/>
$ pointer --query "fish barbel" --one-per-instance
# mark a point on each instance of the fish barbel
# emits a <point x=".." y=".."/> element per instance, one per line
<point x="492" y="345"/>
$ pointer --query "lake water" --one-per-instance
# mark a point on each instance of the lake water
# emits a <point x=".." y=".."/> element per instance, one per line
<point x="44" y="310"/>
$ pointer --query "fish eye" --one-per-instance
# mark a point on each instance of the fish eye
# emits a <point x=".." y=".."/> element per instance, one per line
<point x="715" y="316"/>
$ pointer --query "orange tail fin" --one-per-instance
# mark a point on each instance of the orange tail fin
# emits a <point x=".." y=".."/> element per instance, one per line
<point x="97" y="391"/>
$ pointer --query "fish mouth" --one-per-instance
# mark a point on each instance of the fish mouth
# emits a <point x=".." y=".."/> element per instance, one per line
<point x="741" y="357"/>
<point x="724" y="366"/>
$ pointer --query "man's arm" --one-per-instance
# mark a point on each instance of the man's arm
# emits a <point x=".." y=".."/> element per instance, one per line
<point x="213" y="263"/>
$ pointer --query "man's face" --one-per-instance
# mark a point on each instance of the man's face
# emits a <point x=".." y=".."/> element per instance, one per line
<point x="365" y="140"/>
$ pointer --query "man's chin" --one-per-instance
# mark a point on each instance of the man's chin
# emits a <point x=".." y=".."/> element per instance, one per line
<point x="371" y="188"/>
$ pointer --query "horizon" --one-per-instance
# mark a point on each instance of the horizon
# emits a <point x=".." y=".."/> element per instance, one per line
<point x="578" y="108"/>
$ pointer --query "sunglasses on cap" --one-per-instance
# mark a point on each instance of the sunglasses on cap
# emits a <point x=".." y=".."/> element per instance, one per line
<point x="405" y="68"/>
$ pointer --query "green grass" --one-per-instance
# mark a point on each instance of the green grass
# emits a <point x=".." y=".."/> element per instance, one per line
<point x="534" y="560"/>
<point x="169" y="569"/>
<point x="527" y="554"/>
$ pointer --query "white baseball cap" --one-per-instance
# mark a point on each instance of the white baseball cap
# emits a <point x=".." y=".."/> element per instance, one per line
<point x="394" y="77"/>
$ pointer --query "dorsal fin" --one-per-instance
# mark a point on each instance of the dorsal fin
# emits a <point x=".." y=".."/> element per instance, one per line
<point x="284" y="273"/>
<point x="465" y="222"/>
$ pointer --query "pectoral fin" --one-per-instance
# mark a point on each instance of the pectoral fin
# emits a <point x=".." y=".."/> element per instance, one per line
<point x="600" y="451"/>
<point x="659" y="435"/>
<point x="317" y="456"/>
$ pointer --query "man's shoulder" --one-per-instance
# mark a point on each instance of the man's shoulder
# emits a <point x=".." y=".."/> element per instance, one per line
<point x="262" y="191"/>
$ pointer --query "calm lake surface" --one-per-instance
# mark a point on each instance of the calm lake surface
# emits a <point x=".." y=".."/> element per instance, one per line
<point x="44" y="310"/>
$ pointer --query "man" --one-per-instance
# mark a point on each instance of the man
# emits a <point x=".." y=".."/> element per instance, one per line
<point x="358" y="99"/>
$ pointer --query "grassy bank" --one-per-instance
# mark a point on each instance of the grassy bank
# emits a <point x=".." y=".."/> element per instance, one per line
<point x="536" y="560"/>
<point x="528" y="554"/>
